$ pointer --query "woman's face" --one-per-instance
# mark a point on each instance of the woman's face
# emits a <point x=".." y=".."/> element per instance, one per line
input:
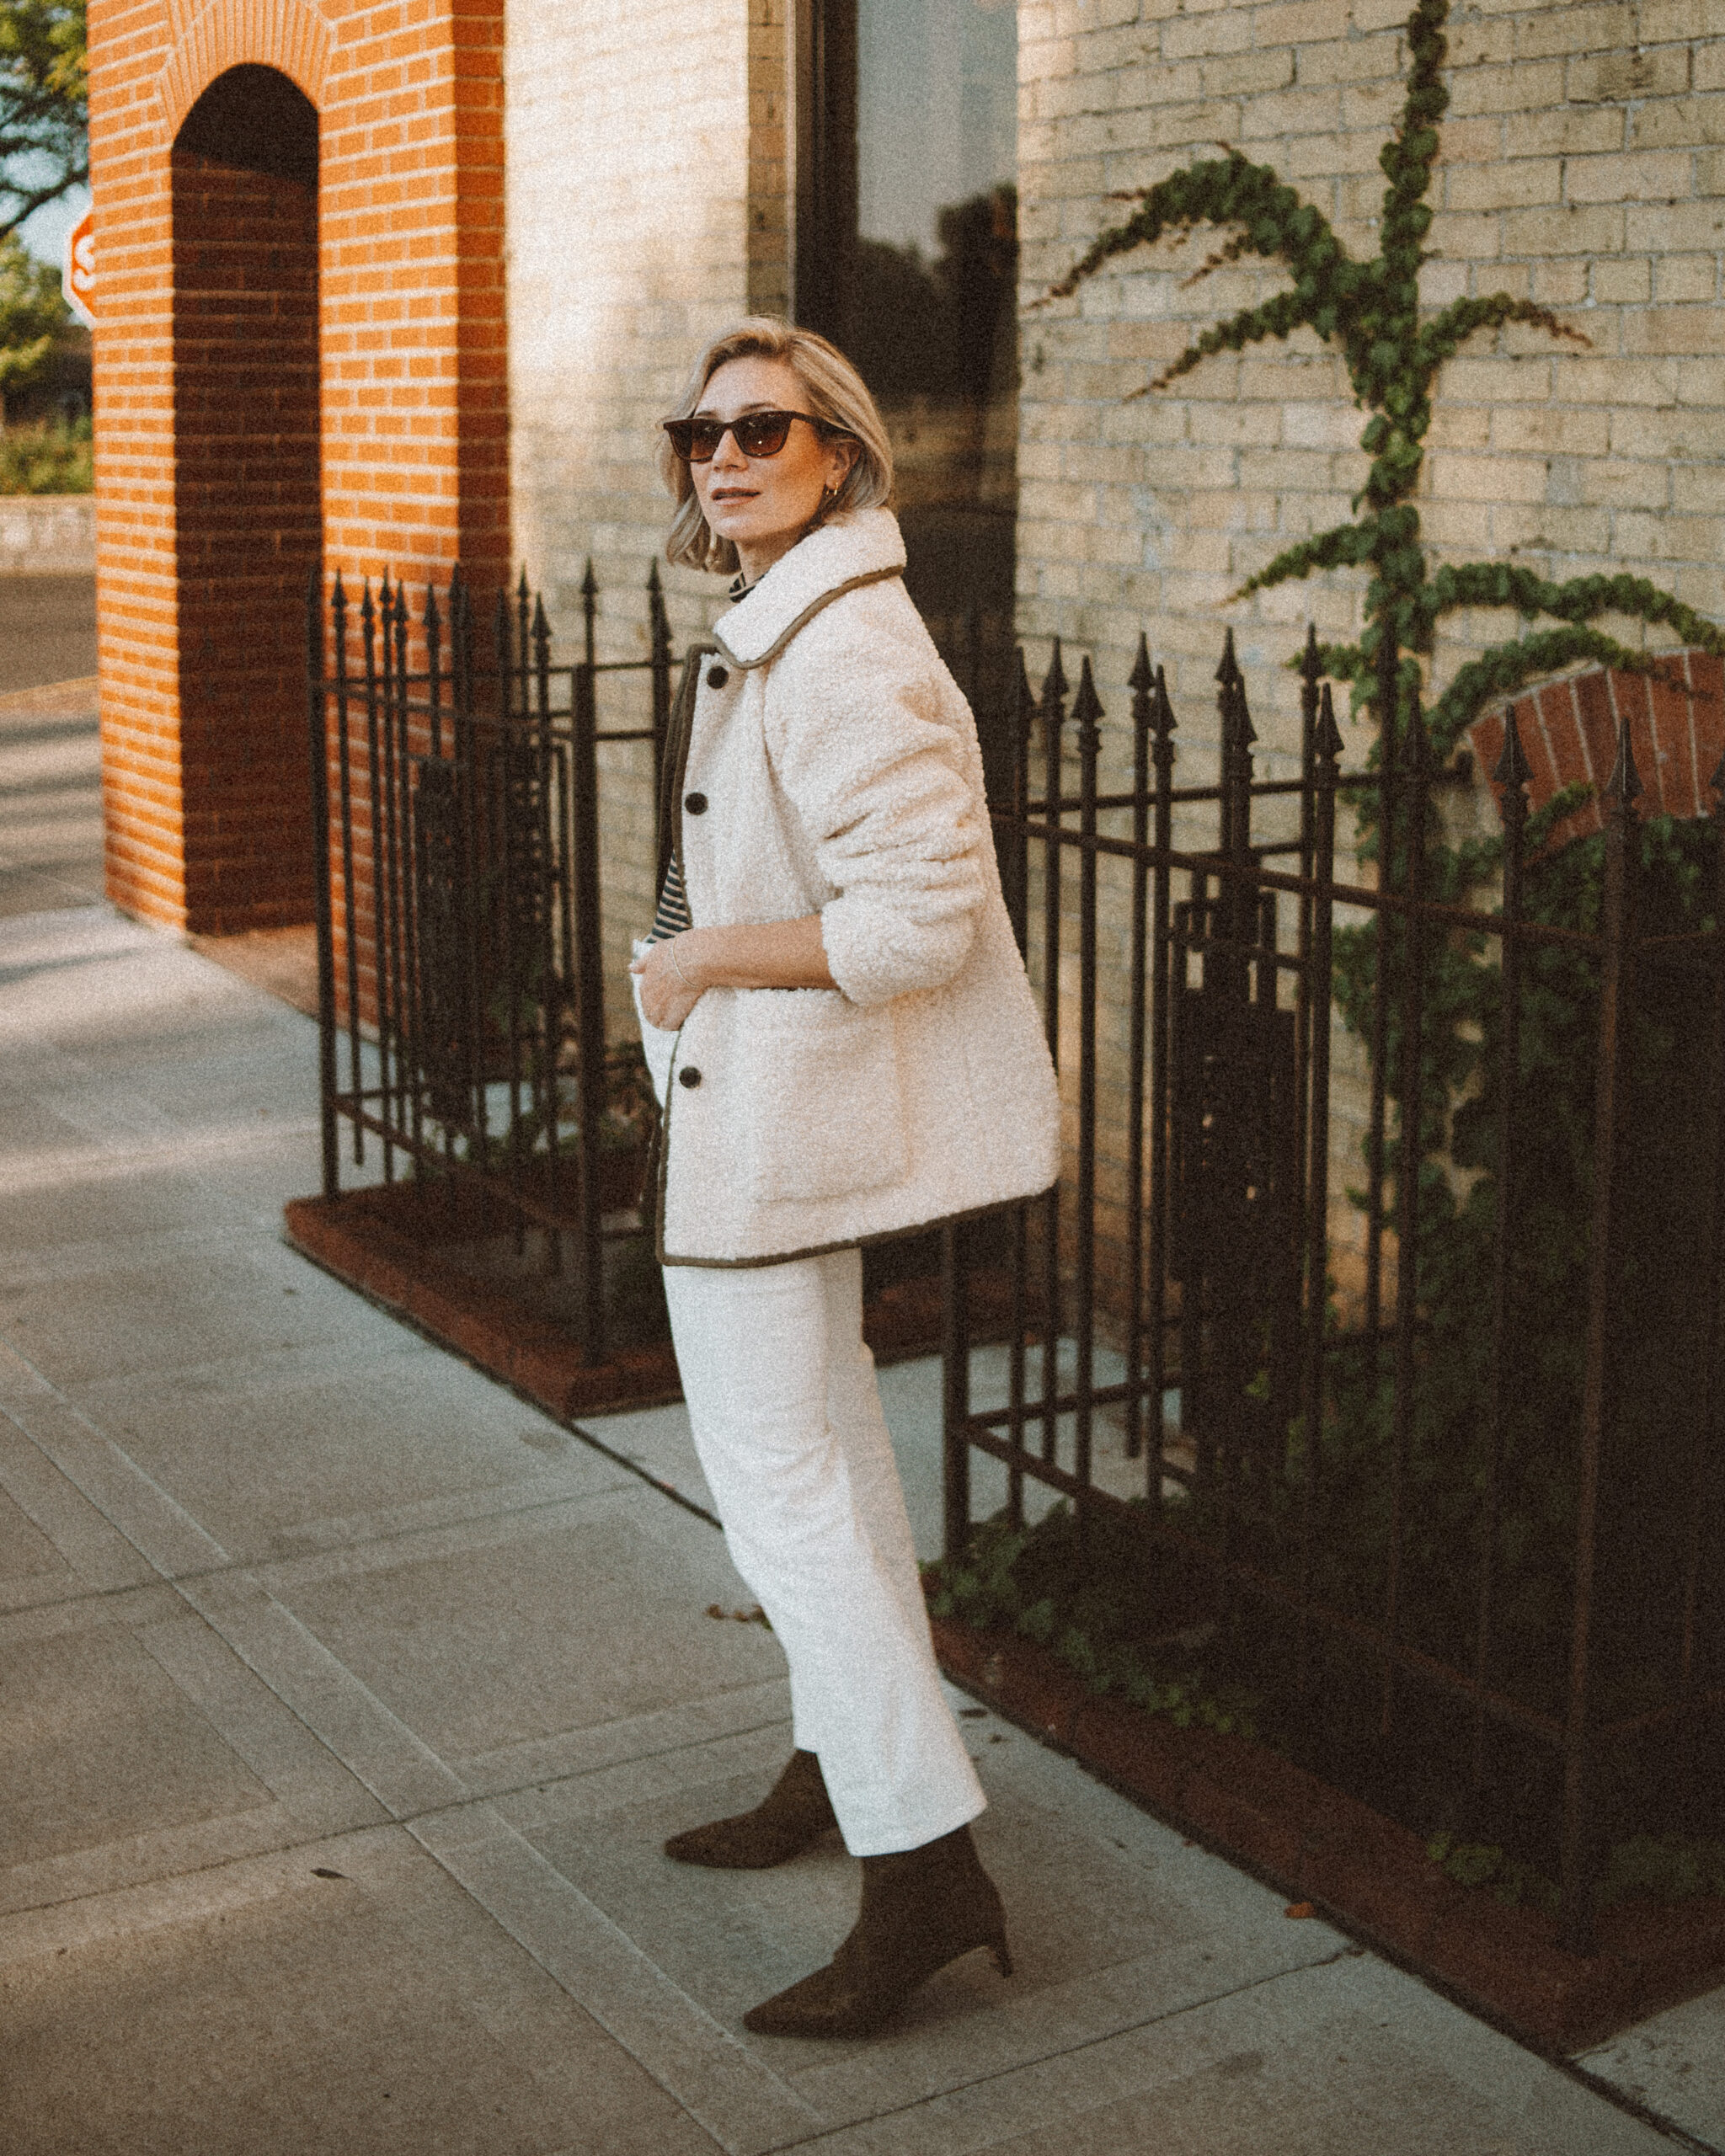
<point x="763" y="505"/>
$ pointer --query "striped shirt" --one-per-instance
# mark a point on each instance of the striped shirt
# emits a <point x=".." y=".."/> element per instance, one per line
<point x="672" y="916"/>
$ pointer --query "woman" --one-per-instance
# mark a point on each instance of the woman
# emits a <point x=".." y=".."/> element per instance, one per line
<point x="846" y="1048"/>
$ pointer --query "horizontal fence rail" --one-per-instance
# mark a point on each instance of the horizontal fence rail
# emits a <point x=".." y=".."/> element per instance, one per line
<point x="455" y="787"/>
<point x="1339" y="1482"/>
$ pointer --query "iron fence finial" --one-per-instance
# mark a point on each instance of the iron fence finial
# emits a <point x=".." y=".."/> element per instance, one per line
<point x="1624" y="785"/>
<point x="1142" y="678"/>
<point x="1327" y="741"/>
<point x="1312" y="664"/>
<point x="1054" y="682"/>
<point x="1228" y="671"/>
<point x="1087" y="709"/>
<point x="1162" y="716"/>
<point x="1513" y="770"/>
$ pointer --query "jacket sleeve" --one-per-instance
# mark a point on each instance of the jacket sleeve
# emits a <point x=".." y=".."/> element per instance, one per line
<point x="869" y="743"/>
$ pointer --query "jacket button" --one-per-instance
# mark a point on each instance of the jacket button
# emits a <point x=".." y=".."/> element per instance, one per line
<point x="690" y="1077"/>
<point x="716" y="677"/>
<point x="696" y="803"/>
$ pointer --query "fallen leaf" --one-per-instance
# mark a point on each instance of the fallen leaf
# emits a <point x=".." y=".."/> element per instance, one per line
<point x="1299" y="1909"/>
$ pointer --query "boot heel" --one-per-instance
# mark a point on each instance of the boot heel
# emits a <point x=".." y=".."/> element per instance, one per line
<point x="1002" y="1954"/>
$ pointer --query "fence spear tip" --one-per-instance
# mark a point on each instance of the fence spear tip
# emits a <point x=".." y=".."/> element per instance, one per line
<point x="1162" y="718"/>
<point x="1086" y="704"/>
<point x="1228" y="672"/>
<point x="589" y="583"/>
<point x="1054" y="682"/>
<point x="1625" y="782"/>
<point x="1513" y="769"/>
<point x="1312" y="665"/>
<point x="1329" y="740"/>
<point x="1142" y="677"/>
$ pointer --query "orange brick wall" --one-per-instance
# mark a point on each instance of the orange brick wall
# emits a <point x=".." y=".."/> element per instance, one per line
<point x="414" y="414"/>
<point x="249" y="535"/>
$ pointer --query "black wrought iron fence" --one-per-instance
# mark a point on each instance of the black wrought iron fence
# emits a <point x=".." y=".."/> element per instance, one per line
<point x="1456" y="1515"/>
<point x="461" y="984"/>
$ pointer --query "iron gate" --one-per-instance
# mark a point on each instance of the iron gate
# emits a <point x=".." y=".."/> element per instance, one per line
<point x="1300" y="1484"/>
<point x="461" y="981"/>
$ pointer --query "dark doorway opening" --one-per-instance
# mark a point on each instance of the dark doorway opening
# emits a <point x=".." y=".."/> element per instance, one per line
<point x="247" y="493"/>
<point x="907" y="258"/>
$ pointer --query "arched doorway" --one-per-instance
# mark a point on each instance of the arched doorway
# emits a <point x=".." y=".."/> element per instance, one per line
<point x="247" y="493"/>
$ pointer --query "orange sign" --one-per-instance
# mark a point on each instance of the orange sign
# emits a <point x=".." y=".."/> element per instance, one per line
<point x="77" y="275"/>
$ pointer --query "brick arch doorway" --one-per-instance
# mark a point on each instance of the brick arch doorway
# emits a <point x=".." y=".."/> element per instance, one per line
<point x="247" y="493"/>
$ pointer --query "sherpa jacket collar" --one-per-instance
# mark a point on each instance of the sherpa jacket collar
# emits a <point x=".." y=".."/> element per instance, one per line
<point x="862" y="547"/>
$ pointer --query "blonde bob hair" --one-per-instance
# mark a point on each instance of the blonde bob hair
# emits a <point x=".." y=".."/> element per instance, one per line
<point x="835" y="393"/>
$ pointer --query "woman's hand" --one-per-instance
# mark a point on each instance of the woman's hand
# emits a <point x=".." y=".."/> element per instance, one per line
<point x="675" y="974"/>
<point x="670" y="986"/>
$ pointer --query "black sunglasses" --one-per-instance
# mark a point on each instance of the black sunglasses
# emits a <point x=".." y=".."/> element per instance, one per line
<point x="756" y="433"/>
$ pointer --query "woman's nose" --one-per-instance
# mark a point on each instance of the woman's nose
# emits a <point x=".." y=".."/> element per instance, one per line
<point x="728" y="454"/>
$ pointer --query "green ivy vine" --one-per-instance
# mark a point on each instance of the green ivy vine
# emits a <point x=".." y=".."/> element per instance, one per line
<point x="1370" y="312"/>
<point x="1394" y="351"/>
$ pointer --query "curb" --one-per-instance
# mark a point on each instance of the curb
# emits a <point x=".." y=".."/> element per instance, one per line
<point x="1317" y="1845"/>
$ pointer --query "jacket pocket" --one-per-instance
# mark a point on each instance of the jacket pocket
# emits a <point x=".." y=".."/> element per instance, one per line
<point x="658" y="1044"/>
<point x="825" y="1110"/>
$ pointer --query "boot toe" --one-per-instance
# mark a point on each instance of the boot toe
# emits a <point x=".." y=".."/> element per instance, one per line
<point x="823" y="2005"/>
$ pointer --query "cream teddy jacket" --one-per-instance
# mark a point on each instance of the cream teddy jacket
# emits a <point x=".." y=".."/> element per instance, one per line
<point x="832" y="765"/>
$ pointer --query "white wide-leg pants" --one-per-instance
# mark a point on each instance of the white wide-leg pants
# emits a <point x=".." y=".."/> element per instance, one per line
<point x="787" y="1423"/>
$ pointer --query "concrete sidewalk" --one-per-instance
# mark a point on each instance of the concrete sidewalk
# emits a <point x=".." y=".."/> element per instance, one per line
<point x="344" y="1703"/>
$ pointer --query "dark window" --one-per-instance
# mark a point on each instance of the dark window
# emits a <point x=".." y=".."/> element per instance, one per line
<point x="907" y="259"/>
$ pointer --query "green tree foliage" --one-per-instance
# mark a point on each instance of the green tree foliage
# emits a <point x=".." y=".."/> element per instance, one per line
<point x="1370" y="312"/>
<point x="44" y="106"/>
<point x="47" y="457"/>
<point x="31" y="312"/>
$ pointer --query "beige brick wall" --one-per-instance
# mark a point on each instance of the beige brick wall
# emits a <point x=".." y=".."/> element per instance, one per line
<point x="1583" y="165"/>
<point x="646" y="209"/>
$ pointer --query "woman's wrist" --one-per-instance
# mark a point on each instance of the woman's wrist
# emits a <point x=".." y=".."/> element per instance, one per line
<point x="685" y="953"/>
<point x="773" y="954"/>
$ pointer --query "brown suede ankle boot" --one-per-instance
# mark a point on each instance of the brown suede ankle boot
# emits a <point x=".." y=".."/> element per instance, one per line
<point x="795" y="1811"/>
<point x="921" y="1908"/>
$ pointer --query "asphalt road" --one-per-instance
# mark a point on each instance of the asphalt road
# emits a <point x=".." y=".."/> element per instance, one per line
<point x="47" y="630"/>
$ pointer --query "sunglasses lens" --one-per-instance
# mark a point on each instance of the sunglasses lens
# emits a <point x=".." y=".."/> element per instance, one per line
<point x="763" y="434"/>
<point x="694" y="441"/>
<point x="756" y="433"/>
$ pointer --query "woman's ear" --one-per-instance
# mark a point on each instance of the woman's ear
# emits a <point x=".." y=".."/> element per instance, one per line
<point x="844" y="455"/>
